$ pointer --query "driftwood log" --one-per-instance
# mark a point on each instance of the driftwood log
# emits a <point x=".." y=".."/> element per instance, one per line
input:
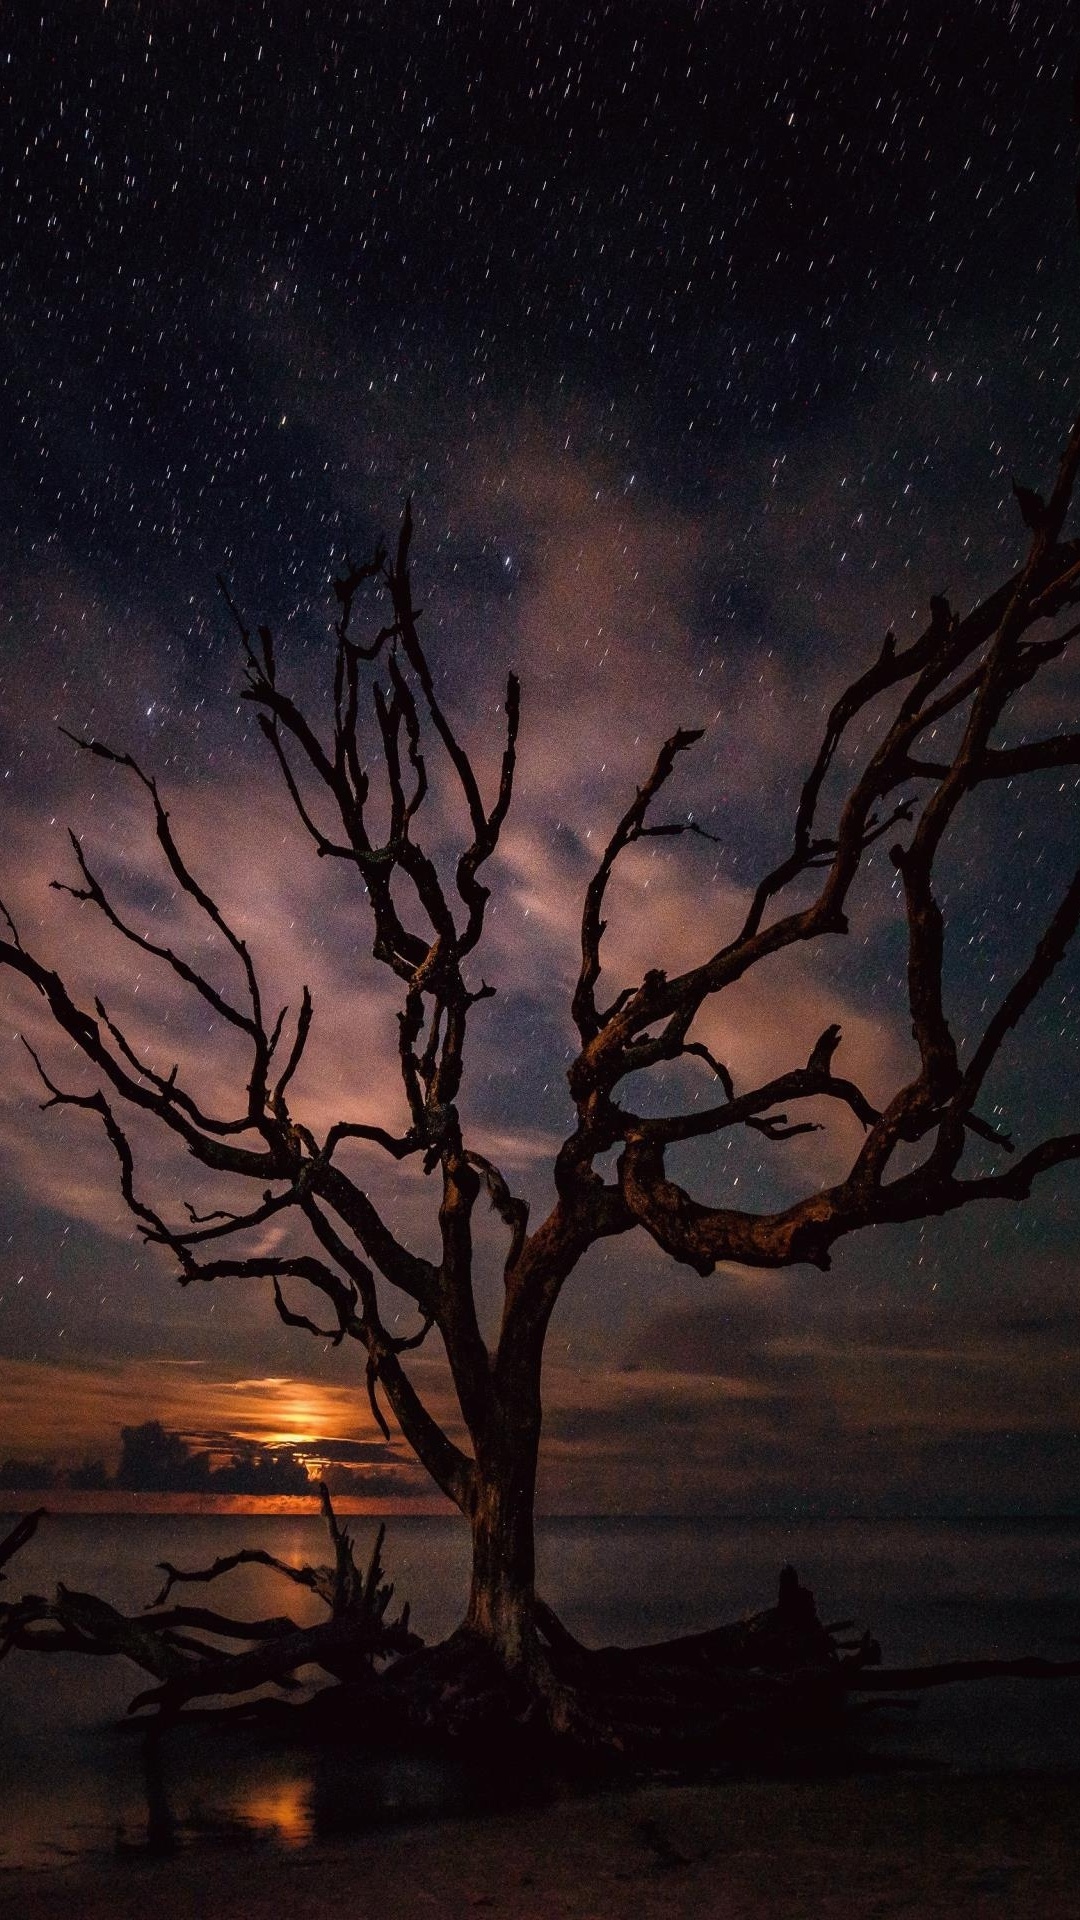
<point x="726" y="1695"/>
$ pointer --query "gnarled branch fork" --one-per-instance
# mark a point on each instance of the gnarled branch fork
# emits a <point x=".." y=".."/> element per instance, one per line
<point x="967" y="672"/>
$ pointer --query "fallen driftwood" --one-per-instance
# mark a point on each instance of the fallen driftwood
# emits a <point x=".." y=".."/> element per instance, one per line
<point x="162" y="1640"/>
<point x="726" y="1694"/>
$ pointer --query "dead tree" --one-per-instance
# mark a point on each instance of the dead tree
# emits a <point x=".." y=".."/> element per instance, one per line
<point x="957" y="682"/>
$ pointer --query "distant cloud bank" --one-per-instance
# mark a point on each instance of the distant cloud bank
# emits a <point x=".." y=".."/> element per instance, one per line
<point x="156" y="1459"/>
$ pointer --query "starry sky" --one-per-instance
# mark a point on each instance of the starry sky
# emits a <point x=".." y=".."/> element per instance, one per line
<point x="707" y="336"/>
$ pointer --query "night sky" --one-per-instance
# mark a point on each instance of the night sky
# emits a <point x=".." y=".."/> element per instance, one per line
<point x="707" y="336"/>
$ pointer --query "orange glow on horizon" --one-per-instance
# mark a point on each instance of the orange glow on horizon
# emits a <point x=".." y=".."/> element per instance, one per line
<point x="98" y="1401"/>
<point x="110" y="1500"/>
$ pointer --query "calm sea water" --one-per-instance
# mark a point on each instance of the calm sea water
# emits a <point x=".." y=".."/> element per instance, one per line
<point x="72" y="1781"/>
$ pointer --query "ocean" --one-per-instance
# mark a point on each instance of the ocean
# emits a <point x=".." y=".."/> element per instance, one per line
<point x="73" y="1780"/>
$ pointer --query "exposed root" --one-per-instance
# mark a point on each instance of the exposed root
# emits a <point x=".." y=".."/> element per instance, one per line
<point x="738" y="1694"/>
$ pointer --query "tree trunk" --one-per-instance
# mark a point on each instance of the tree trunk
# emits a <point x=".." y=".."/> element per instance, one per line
<point x="502" y="1596"/>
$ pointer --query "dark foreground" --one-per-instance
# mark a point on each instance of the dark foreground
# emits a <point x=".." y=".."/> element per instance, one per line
<point x="920" y="1846"/>
<point x="884" y="1834"/>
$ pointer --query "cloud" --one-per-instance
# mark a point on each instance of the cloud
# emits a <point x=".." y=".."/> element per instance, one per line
<point x="101" y="1398"/>
<point x="766" y="1401"/>
<point x="350" y="1453"/>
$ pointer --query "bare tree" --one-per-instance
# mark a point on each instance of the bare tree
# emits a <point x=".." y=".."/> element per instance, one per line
<point x="957" y="682"/>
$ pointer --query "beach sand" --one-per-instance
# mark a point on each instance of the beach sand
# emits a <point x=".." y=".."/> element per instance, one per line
<point x="966" y="1847"/>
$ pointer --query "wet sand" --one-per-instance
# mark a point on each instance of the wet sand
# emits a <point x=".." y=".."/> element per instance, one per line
<point x="923" y="1846"/>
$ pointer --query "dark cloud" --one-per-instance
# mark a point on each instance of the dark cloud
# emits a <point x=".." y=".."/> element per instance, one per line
<point x="591" y="1429"/>
<point x="400" y="1481"/>
<point x="349" y="1452"/>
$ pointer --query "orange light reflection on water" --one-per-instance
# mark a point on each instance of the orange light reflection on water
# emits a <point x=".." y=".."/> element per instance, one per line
<point x="68" y="1500"/>
<point x="283" y="1810"/>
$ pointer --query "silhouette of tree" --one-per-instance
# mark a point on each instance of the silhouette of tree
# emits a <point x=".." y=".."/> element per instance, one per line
<point x="938" y="706"/>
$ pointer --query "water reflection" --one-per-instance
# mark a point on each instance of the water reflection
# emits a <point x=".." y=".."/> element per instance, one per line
<point x="221" y="1794"/>
<point x="282" y="1812"/>
<point x="160" y="1825"/>
<point x="226" y="1789"/>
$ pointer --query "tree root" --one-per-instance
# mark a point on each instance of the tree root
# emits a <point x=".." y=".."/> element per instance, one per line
<point x="739" y="1693"/>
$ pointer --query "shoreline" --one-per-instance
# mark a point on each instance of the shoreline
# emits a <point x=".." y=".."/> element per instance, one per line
<point x="926" y="1844"/>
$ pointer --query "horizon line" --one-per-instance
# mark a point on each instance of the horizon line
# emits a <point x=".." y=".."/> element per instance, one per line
<point x="120" y="1503"/>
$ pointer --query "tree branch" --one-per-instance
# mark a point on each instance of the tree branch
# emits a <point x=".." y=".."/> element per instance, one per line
<point x="586" y="1018"/>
